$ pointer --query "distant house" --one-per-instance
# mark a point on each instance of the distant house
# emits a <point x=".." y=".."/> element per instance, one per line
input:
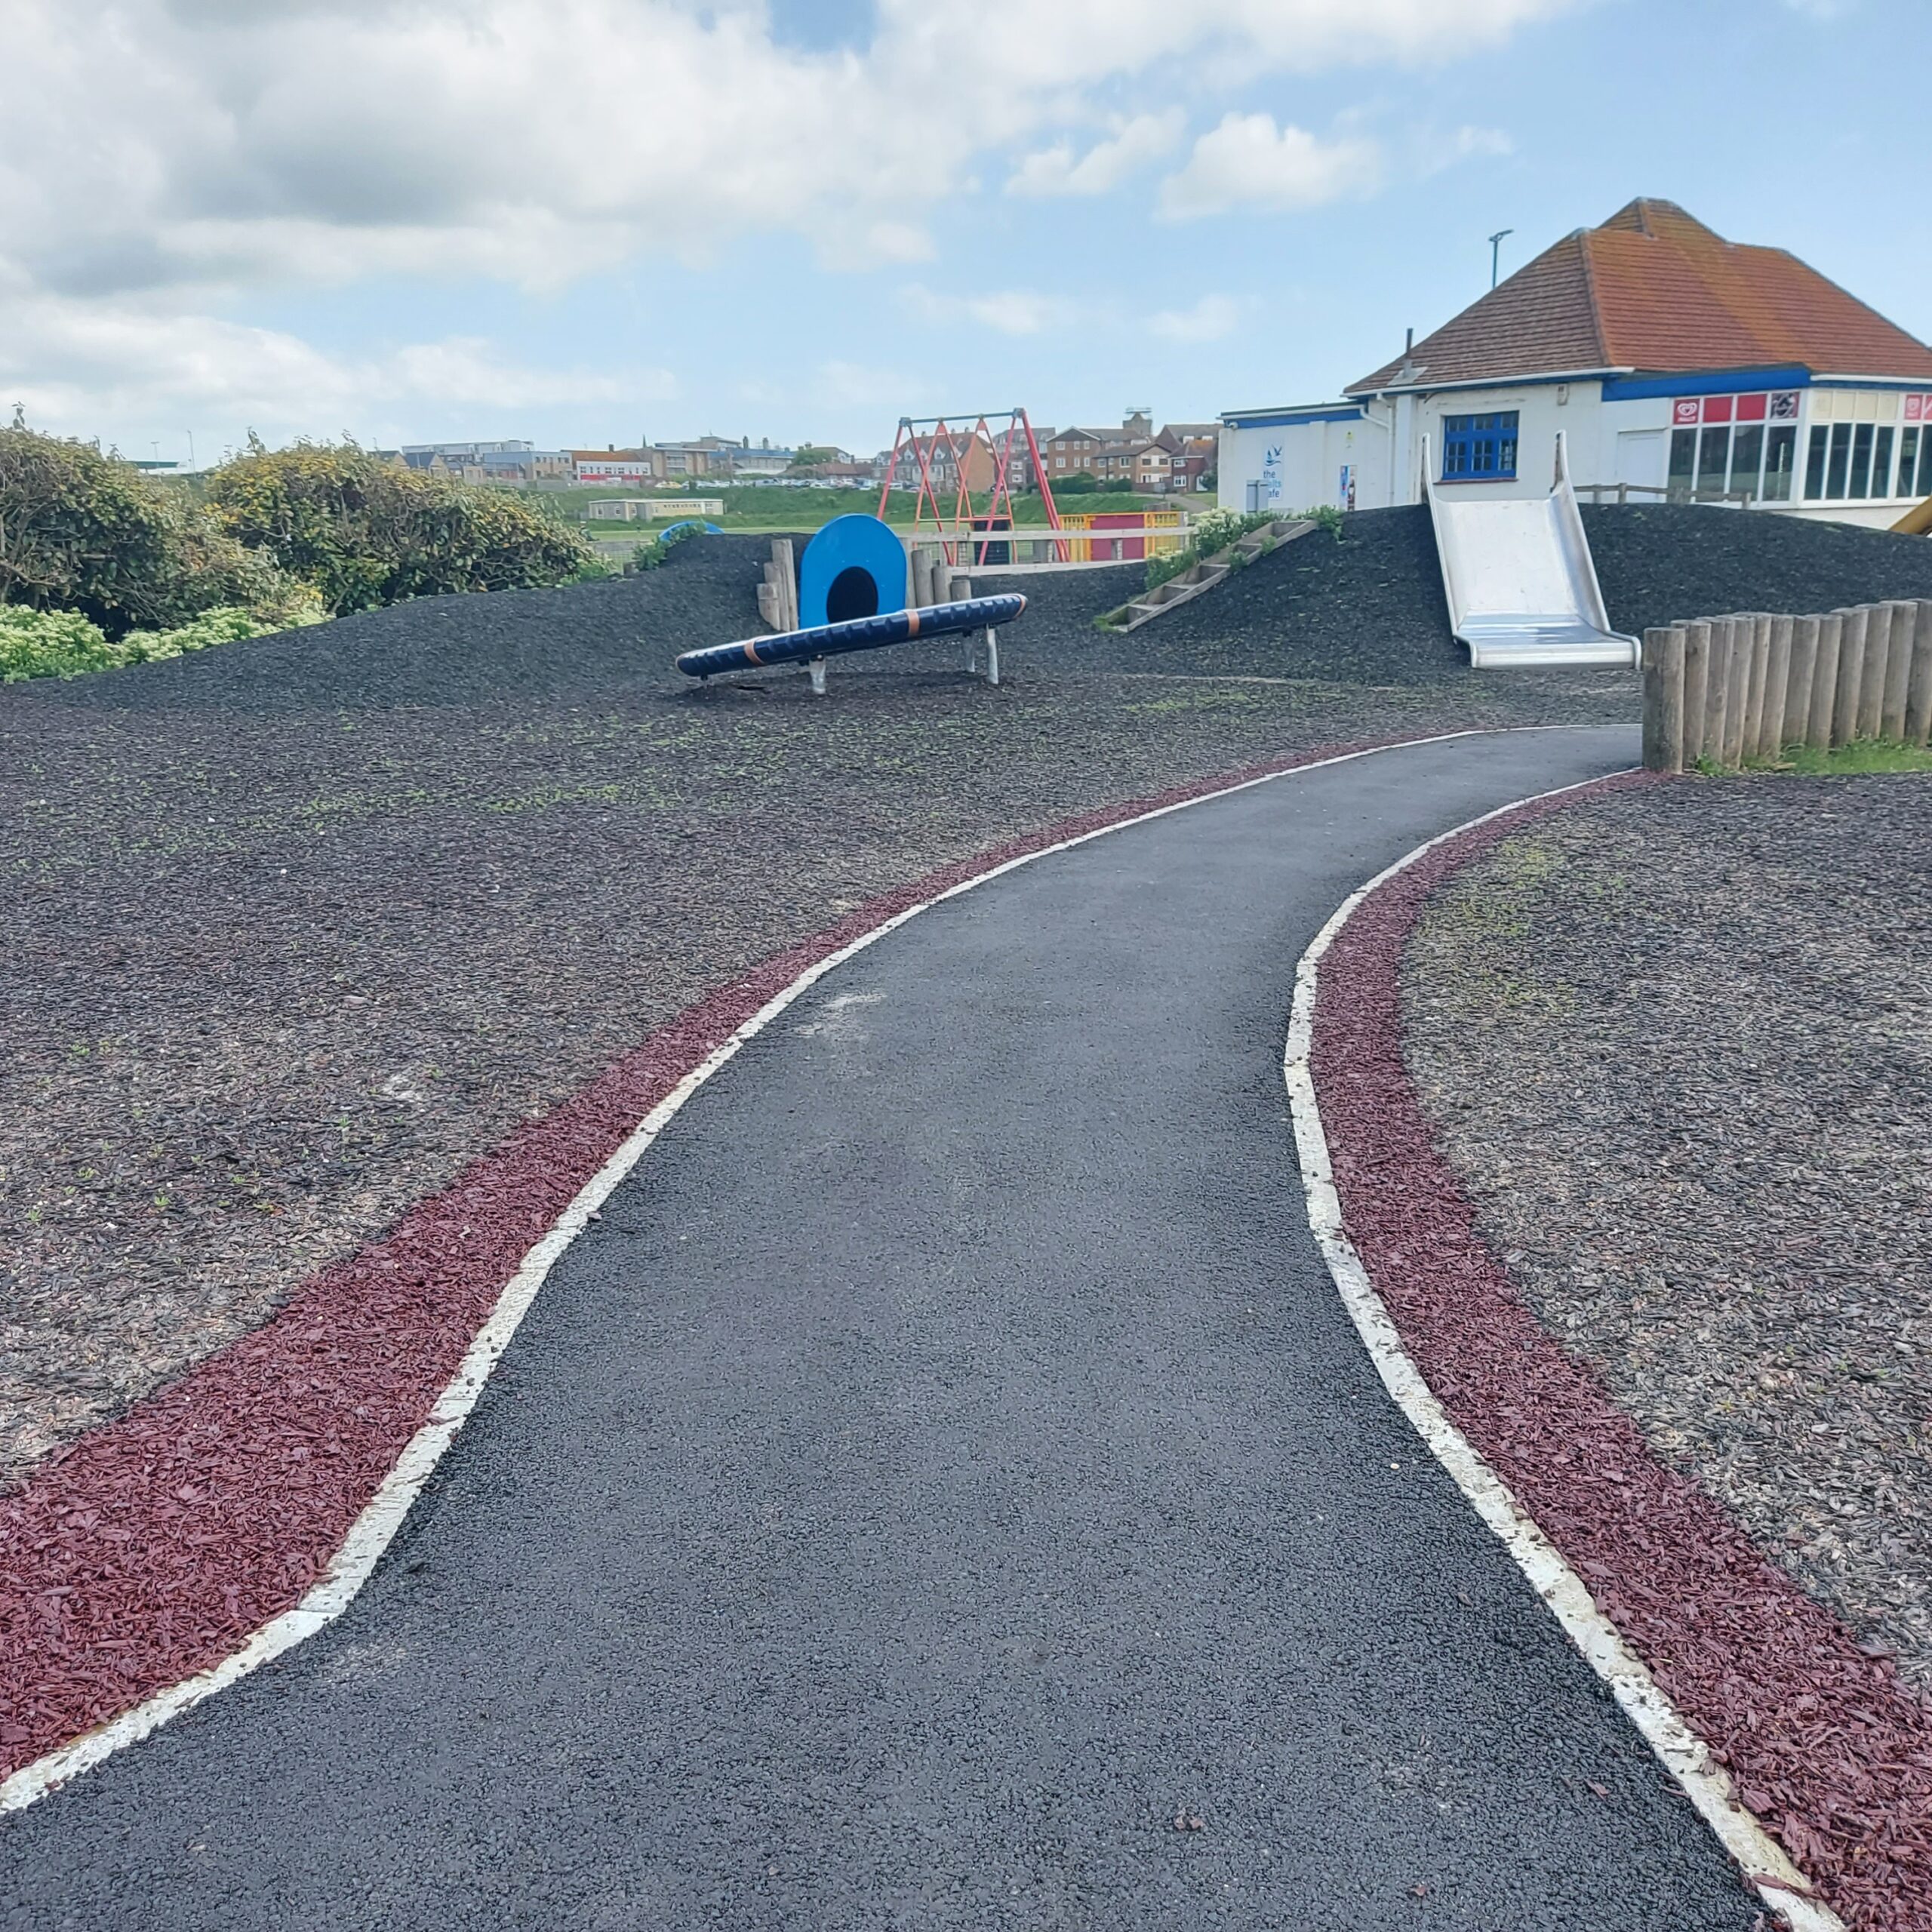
<point x="612" y="465"/>
<point x="1678" y="363"/>
<point x="943" y="459"/>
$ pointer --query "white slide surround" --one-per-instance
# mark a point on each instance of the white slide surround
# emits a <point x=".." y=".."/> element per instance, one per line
<point x="1522" y="589"/>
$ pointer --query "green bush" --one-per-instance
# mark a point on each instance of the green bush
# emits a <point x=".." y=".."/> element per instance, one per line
<point x="80" y="531"/>
<point x="365" y="532"/>
<point x="51" y="644"/>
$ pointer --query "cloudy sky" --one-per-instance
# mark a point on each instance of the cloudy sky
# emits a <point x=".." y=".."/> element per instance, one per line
<point x="586" y="220"/>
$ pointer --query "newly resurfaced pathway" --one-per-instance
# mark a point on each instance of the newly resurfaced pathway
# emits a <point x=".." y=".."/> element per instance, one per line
<point x="946" y="1464"/>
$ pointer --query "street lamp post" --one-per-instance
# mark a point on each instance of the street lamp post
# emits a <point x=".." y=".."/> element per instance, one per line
<point x="1495" y="253"/>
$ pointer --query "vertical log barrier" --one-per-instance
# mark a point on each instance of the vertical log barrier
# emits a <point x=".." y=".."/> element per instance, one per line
<point x="1918" y="684"/>
<point x="1726" y="692"/>
<point x="1851" y="672"/>
<point x="1804" y="668"/>
<point x="1663" y="698"/>
<point x="787" y="580"/>
<point x="1697" y="688"/>
<point x="1737" y="698"/>
<point x="1824" y="689"/>
<point x="1717" y="693"/>
<point x="1771" y="739"/>
<point x="1871" y="679"/>
<point x="1758" y="667"/>
<point x="1898" y="669"/>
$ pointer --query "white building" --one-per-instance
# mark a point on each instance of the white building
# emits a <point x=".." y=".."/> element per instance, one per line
<point x="1680" y="364"/>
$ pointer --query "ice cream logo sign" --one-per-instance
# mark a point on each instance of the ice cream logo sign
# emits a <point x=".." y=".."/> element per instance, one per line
<point x="1779" y="405"/>
<point x="1919" y="409"/>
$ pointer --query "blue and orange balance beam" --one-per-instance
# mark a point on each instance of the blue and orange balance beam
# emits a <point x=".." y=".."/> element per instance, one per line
<point x="854" y="634"/>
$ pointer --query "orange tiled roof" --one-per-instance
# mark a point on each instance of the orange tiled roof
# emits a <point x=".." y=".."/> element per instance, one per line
<point x="1653" y="290"/>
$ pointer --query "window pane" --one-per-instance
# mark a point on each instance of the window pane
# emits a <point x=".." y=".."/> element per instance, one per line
<point x="1923" y="487"/>
<point x="1882" y="464"/>
<point x="1840" y="461"/>
<point x="1780" y="457"/>
<point x="1747" y="451"/>
<point x="1814" y="463"/>
<point x="1683" y="462"/>
<point x="1908" y="459"/>
<point x="1860" y="484"/>
<point x="1713" y="461"/>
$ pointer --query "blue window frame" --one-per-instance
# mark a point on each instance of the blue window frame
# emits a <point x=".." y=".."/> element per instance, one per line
<point x="1479" y="446"/>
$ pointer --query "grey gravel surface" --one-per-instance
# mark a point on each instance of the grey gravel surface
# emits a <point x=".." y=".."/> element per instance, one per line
<point x="945" y="1490"/>
<point x="1676" y="1043"/>
<point x="289" y="942"/>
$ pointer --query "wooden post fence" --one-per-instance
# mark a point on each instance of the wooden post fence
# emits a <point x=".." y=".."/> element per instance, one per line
<point x="1726" y="692"/>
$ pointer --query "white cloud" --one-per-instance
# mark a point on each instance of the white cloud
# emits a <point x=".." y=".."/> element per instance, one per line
<point x="163" y="162"/>
<point x="1211" y="319"/>
<point x="1009" y="310"/>
<point x="1054" y="171"/>
<point x="1248" y="161"/>
<point x="66" y="358"/>
<point x="1436" y="150"/>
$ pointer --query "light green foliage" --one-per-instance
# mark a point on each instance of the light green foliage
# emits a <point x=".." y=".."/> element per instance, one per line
<point x="226" y="625"/>
<point x="51" y="644"/>
<point x="1212" y="532"/>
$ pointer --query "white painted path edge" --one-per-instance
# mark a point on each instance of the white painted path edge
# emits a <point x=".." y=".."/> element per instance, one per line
<point x="1784" y="1888"/>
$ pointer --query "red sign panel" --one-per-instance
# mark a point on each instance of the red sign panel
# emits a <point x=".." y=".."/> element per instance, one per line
<point x="1751" y="408"/>
<point x="1717" y="408"/>
<point x="1917" y="409"/>
<point x="1684" y="410"/>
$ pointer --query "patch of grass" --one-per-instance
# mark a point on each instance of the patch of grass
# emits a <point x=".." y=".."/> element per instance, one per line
<point x="1863" y="757"/>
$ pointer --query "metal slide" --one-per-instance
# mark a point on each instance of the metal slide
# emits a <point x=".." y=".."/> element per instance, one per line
<point x="1520" y="585"/>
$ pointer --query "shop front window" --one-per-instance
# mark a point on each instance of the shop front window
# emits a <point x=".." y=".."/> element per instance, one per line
<point x="1780" y="458"/>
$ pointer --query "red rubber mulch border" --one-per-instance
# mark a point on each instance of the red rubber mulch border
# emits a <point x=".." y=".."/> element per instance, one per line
<point x="154" y="1546"/>
<point x="1826" y="1746"/>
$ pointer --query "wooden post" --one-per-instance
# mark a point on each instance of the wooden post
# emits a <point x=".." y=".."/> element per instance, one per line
<point x="1918" y="685"/>
<point x="1871" y="679"/>
<point x="1758" y="667"/>
<point x="1737" y="698"/>
<point x="1717" y="693"/>
<point x="1696" y="688"/>
<point x="1825" y="685"/>
<point x="1663" y="699"/>
<point x="788" y="581"/>
<point x="1851" y="671"/>
<point x="1777" y="691"/>
<point x="767" y="605"/>
<point x="1804" y="669"/>
<point x="922" y="577"/>
<point x="1898" y="669"/>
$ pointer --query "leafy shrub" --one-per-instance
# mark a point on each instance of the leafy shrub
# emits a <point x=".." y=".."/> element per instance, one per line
<point x="654" y="550"/>
<point x="80" y="531"/>
<point x="225" y="625"/>
<point x="1213" y="532"/>
<point x="51" y="644"/>
<point x="365" y="532"/>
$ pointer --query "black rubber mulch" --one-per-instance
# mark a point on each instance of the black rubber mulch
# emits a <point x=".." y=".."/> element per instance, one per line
<point x="1674" y="1042"/>
<point x="1661" y="564"/>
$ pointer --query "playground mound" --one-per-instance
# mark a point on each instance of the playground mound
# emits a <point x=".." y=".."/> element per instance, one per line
<point x="1671" y="1040"/>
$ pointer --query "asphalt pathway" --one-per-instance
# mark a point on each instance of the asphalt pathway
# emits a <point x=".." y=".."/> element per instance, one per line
<point x="944" y="1490"/>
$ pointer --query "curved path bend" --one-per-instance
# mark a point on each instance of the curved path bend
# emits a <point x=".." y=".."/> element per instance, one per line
<point x="945" y="1490"/>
